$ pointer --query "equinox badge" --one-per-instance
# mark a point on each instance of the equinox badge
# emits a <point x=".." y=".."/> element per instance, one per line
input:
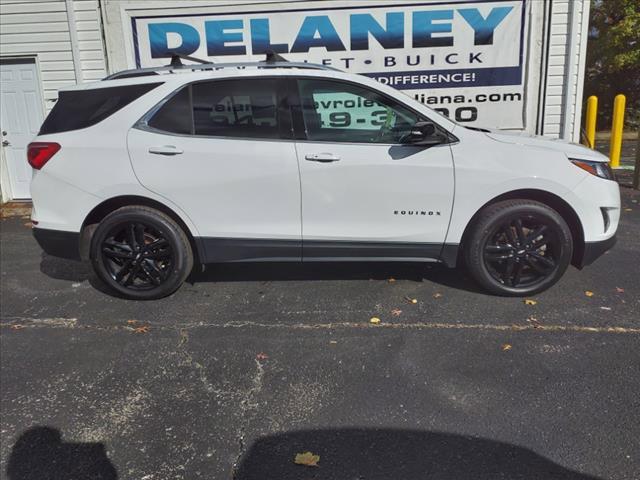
<point x="416" y="212"/>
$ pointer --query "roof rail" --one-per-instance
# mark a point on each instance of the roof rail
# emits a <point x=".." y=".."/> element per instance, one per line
<point x="273" y="60"/>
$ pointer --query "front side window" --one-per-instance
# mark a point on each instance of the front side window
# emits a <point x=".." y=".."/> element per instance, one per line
<point x="341" y="112"/>
<point x="249" y="108"/>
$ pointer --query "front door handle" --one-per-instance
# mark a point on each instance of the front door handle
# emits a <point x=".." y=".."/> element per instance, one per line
<point x="322" y="157"/>
<point x="6" y="143"/>
<point x="165" y="150"/>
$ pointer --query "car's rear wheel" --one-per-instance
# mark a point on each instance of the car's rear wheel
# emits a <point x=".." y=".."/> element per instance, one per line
<point x="141" y="253"/>
<point x="518" y="247"/>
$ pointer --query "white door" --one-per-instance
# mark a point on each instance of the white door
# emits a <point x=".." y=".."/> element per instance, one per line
<point x="229" y="162"/>
<point x="21" y="117"/>
<point x="365" y="193"/>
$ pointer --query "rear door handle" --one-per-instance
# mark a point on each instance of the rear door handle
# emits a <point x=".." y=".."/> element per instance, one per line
<point x="165" y="150"/>
<point x="322" y="157"/>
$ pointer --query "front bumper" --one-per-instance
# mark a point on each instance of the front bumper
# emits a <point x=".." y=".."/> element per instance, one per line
<point x="594" y="250"/>
<point x="58" y="243"/>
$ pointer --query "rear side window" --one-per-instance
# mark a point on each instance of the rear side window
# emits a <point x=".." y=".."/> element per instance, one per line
<point x="250" y="108"/>
<point x="76" y="109"/>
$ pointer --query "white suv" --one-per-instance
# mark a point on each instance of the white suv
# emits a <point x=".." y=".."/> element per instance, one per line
<point x="151" y="171"/>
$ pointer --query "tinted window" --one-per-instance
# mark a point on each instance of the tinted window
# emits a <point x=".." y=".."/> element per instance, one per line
<point x="247" y="108"/>
<point x="341" y="112"/>
<point x="77" y="109"/>
<point x="175" y="115"/>
<point x="250" y="108"/>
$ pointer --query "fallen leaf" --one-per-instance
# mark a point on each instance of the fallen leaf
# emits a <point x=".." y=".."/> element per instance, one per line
<point x="307" y="459"/>
<point x="528" y="301"/>
<point x="132" y="322"/>
<point x="411" y="300"/>
<point x="506" y="347"/>
<point x="375" y="320"/>
<point x="262" y="356"/>
<point x="396" y="312"/>
<point x="437" y="295"/>
<point x="588" y="293"/>
<point x="605" y="308"/>
<point x="333" y="342"/>
<point x="143" y="329"/>
<point x="16" y="326"/>
<point x="391" y="280"/>
<point x="619" y="290"/>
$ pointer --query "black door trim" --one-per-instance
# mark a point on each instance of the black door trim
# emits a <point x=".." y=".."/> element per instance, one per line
<point x="322" y="249"/>
<point x="222" y="250"/>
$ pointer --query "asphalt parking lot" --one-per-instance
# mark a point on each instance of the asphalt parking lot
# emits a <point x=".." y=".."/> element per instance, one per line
<point x="247" y="366"/>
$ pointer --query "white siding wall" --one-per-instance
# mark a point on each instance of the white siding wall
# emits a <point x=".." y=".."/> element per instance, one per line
<point x="41" y="28"/>
<point x="90" y="40"/>
<point x="558" y="68"/>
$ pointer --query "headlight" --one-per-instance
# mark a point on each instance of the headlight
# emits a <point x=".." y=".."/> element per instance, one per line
<point x="599" y="169"/>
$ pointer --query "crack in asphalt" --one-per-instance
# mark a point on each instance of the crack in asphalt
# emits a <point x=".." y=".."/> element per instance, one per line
<point x="434" y="325"/>
<point x="247" y="405"/>
<point x="44" y="322"/>
<point x="200" y="369"/>
<point x="17" y="323"/>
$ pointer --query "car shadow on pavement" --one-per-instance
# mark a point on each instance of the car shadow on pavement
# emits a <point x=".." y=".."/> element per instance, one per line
<point x="457" y="278"/>
<point x="40" y="454"/>
<point x="72" y="271"/>
<point x="63" y="269"/>
<point x="389" y="454"/>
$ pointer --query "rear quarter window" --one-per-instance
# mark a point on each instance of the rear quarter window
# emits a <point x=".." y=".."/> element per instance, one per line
<point x="76" y="109"/>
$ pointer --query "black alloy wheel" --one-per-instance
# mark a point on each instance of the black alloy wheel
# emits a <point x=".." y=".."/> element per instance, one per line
<point x="518" y="247"/>
<point x="523" y="251"/>
<point x="137" y="256"/>
<point x="141" y="253"/>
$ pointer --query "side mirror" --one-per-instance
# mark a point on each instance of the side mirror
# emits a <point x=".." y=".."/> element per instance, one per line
<point x="424" y="134"/>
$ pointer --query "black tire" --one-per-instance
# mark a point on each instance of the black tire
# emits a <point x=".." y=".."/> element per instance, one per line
<point x="518" y="247"/>
<point x="141" y="253"/>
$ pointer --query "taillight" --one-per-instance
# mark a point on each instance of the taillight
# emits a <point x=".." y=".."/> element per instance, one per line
<point x="39" y="153"/>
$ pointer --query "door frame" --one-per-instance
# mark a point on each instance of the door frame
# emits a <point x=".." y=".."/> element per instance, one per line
<point x="6" y="192"/>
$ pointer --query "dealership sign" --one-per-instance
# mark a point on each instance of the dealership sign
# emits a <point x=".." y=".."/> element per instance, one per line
<point x="465" y="59"/>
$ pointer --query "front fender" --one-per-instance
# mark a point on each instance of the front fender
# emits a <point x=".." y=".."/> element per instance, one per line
<point x="468" y="204"/>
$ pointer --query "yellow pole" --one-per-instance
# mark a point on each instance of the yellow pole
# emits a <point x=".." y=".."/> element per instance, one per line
<point x="636" y="171"/>
<point x="592" y="114"/>
<point x="616" y="130"/>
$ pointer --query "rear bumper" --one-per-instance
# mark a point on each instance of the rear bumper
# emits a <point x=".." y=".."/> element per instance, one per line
<point x="58" y="243"/>
<point x="594" y="250"/>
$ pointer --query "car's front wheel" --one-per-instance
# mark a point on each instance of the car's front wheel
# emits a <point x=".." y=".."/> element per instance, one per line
<point x="518" y="247"/>
<point x="141" y="253"/>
